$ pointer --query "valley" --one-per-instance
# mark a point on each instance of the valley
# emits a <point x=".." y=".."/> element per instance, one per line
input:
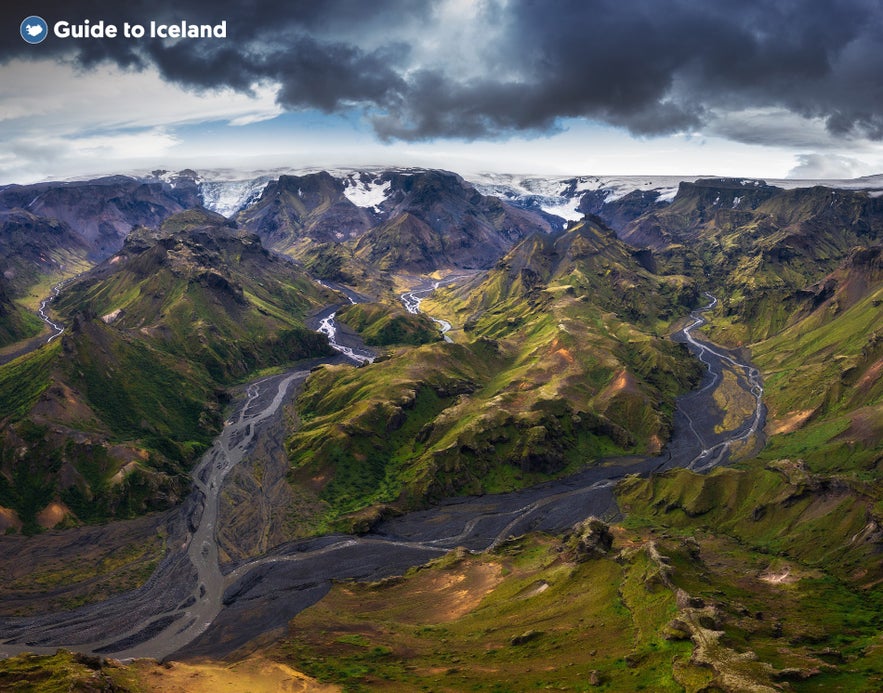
<point x="215" y="612"/>
<point x="368" y="383"/>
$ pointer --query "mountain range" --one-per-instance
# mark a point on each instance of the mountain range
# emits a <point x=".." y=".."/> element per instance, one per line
<point x="562" y="294"/>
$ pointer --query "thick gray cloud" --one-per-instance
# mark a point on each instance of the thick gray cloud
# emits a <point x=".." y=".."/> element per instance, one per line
<point x="826" y="166"/>
<point x="650" y="66"/>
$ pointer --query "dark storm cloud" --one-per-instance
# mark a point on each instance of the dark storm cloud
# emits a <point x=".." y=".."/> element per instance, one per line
<point x="651" y="66"/>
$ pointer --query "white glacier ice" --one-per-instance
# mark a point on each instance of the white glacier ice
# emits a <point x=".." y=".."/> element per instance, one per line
<point x="227" y="197"/>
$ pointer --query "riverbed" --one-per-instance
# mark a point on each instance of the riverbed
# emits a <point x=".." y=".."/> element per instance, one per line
<point x="192" y="607"/>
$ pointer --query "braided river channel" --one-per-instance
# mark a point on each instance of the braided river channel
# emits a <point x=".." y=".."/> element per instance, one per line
<point x="193" y="605"/>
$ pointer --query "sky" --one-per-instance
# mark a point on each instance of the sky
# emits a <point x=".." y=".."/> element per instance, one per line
<point x="753" y="88"/>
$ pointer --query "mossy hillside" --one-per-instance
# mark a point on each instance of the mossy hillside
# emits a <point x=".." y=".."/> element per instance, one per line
<point x="662" y="610"/>
<point x="759" y="254"/>
<point x="554" y="303"/>
<point x="135" y="389"/>
<point x="380" y="325"/>
<point x="360" y="431"/>
<point x="24" y="379"/>
<point x="781" y="509"/>
<point x="76" y="412"/>
<point x="427" y="423"/>
<point x="714" y="203"/>
<point x="132" y="392"/>
<point x="328" y="261"/>
<point x="65" y="671"/>
<point x="36" y="253"/>
<point x="521" y="619"/>
<point x="553" y="382"/>
<point x="16" y="323"/>
<point x="205" y="292"/>
<point x="822" y="377"/>
<point x="336" y="262"/>
<point x="586" y="260"/>
<point x="727" y="210"/>
<point x="405" y="242"/>
<point x="565" y="385"/>
<point x="593" y="262"/>
<point x="788" y="559"/>
<point x="764" y="287"/>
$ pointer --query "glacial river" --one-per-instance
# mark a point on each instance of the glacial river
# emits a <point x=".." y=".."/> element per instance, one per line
<point x="191" y="607"/>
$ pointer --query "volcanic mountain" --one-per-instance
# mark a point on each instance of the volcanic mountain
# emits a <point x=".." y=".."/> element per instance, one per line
<point x="559" y="362"/>
<point x="101" y="212"/>
<point x="404" y="220"/>
<point x="761" y="243"/>
<point x="111" y="413"/>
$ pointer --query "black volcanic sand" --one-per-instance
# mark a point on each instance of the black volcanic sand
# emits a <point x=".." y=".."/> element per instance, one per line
<point x="297" y="574"/>
<point x="263" y="594"/>
<point x="170" y="586"/>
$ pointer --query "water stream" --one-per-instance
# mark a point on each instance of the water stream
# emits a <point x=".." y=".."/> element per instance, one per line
<point x="412" y="299"/>
<point x="190" y="607"/>
<point x="56" y="328"/>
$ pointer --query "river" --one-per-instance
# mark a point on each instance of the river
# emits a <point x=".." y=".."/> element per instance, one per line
<point x="190" y="607"/>
<point x="412" y="299"/>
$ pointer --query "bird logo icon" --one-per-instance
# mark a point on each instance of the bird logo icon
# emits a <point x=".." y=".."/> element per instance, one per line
<point x="34" y="29"/>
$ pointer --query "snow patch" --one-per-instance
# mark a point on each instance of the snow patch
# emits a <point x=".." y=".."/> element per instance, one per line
<point x="362" y="191"/>
<point x="667" y="194"/>
<point x="561" y="195"/>
<point x="567" y="210"/>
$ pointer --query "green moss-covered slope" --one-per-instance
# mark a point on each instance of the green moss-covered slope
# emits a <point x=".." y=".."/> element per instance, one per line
<point x="544" y="378"/>
<point x="106" y="420"/>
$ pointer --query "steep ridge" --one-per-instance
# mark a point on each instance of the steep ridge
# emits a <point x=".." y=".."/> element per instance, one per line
<point x="618" y="211"/>
<point x="589" y="259"/>
<point x="436" y="219"/>
<point x="101" y="212"/>
<point x="825" y="391"/>
<point x="413" y="221"/>
<point x="104" y="421"/>
<point x="15" y="323"/>
<point x="202" y="289"/>
<point x="35" y="253"/>
<point x="295" y="211"/>
<point x="544" y="377"/>
<point x="763" y="245"/>
<point x="704" y="205"/>
<point x="34" y="248"/>
<point x="380" y="325"/>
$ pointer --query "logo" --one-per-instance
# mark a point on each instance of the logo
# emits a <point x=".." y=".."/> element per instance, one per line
<point x="34" y="29"/>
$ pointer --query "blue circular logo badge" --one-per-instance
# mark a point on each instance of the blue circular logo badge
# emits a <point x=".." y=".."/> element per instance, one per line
<point x="34" y="29"/>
